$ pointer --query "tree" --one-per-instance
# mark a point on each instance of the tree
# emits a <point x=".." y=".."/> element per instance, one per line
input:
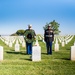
<point x="20" y="32"/>
<point x="54" y="26"/>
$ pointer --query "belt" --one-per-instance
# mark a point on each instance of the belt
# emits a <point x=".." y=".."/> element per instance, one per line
<point x="48" y="35"/>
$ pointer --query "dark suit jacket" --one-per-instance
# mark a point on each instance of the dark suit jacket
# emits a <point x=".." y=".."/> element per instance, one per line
<point x="48" y="35"/>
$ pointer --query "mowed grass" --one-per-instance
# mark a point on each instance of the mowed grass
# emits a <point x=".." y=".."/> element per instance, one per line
<point x="19" y="63"/>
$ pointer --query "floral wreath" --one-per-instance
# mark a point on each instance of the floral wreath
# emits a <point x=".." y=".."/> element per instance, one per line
<point x="29" y="36"/>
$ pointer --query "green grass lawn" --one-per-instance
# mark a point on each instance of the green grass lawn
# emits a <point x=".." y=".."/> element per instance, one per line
<point x="19" y="63"/>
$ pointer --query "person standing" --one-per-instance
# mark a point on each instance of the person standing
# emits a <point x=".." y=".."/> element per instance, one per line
<point x="29" y="38"/>
<point x="49" y="38"/>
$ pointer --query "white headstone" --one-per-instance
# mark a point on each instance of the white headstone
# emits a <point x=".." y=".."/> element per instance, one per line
<point x="1" y="53"/>
<point x="63" y="44"/>
<point x="43" y="41"/>
<point x="23" y="44"/>
<point x="36" y="43"/>
<point x="17" y="42"/>
<point x="72" y="52"/>
<point x="17" y="47"/>
<point x="10" y="44"/>
<point x="56" y="47"/>
<point x="6" y="42"/>
<point x="66" y="42"/>
<point x="36" y="53"/>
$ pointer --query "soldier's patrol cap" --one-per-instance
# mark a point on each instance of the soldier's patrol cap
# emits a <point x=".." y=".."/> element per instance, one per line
<point x="29" y="25"/>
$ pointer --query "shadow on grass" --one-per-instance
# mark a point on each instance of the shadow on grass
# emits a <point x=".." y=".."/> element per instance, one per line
<point x="44" y="53"/>
<point x="63" y="58"/>
<point x="25" y="59"/>
<point x="23" y="53"/>
<point x="13" y="52"/>
<point x="68" y="49"/>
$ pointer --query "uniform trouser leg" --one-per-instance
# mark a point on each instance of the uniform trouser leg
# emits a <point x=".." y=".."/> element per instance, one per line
<point x="29" y="48"/>
<point x="50" y="49"/>
<point x="47" y="45"/>
<point x="26" y="47"/>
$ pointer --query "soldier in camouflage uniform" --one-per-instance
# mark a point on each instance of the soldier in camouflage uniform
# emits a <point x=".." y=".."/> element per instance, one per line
<point x="49" y="38"/>
<point x="29" y="36"/>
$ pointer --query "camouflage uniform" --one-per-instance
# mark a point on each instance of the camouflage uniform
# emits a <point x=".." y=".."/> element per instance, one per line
<point x="29" y="36"/>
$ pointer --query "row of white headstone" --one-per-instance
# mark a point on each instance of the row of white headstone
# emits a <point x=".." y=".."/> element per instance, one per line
<point x="62" y="43"/>
<point x="67" y="40"/>
<point x="62" y="40"/>
<point x="56" y="46"/>
<point x="36" y="50"/>
<point x="10" y="41"/>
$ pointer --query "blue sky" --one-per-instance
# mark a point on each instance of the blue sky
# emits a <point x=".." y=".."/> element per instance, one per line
<point x="17" y="14"/>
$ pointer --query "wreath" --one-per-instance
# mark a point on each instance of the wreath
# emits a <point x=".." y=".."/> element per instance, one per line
<point x="29" y="36"/>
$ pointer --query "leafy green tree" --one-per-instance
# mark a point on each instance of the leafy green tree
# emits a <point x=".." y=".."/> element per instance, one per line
<point x="54" y="26"/>
<point x="20" y="32"/>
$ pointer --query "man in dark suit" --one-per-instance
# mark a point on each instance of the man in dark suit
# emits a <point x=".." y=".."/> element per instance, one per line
<point x="49" y="38"/>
